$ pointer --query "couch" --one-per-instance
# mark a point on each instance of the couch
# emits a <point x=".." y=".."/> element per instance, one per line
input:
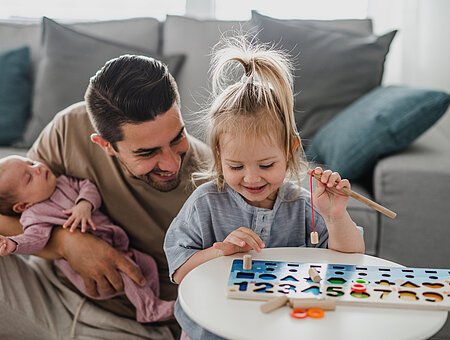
<point x="410" y="177"/>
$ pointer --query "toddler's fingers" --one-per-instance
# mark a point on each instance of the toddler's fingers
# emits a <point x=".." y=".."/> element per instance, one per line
<point x="318" y="170"/>
<point x="242" y="239"/>
<point x="345" y="183"/>
<point x="253" y="235"/>
<point x="325" y="176"/>
<point x="333" y="179"/>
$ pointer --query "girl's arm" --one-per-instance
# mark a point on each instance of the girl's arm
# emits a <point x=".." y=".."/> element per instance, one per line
<point x="332" y="205"/>
<point x="343" y="235"/>
<point x="195" y="260"/>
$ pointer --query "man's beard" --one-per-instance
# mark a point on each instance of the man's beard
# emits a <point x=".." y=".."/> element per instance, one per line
<point x="163" y="186"/>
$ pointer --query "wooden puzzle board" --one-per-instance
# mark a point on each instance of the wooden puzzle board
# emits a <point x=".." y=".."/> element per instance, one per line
<point x="400" y="287"/>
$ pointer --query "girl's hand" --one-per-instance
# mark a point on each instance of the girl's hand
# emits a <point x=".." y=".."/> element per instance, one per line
<point x="240" y="240"/>
<point x="7" y="246"/>
<point x="329" y="201"/>
<point x="79" y="213"/>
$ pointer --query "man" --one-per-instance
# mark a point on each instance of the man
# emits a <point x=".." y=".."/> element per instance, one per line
<point x="129" y="139"/>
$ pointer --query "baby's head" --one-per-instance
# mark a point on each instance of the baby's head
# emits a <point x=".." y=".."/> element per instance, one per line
<point x="252" y="121"/>
<point x="23" y="182"/>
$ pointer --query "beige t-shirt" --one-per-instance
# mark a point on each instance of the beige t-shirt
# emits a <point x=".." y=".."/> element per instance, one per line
<point x="142" y="211"/>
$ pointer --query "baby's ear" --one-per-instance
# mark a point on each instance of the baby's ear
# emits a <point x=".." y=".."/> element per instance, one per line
<point x="20" y="207"/>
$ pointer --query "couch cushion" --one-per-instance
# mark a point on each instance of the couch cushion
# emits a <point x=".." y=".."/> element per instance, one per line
<point x="138" y="32"/>
<point x="193" y="81"/>
<point x="15" y="92"/>
<point x="15" y="34"/>
<point x="363" y="27"/>
<point x="68" y="59"/>
<point x="384" y="121"/>
<point x="334" y="66"/>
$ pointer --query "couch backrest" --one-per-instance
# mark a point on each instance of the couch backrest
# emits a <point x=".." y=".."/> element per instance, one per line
<point x="138" y="32"/>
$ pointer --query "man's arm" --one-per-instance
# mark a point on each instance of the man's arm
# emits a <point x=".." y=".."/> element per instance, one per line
<point x="10" y="226"/>
<point x="95" y="260"/>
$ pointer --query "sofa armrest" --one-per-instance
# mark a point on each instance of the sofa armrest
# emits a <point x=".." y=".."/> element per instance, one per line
<point x="416" y="185"/>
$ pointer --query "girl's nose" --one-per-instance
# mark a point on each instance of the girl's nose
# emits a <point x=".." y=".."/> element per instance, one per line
<point x="252" y="177"/>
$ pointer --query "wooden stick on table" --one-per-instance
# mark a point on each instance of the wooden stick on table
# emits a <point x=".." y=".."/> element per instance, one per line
<point x="361" y="198"/>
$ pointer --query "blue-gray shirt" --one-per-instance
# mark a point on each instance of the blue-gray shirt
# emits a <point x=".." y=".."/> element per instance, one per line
<point x="210" y="215"/>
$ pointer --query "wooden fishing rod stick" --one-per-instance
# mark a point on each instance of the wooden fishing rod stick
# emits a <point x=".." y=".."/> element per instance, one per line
<point x="359" y="197"/>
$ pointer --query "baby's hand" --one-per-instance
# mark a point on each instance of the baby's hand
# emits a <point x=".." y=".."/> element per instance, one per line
<point x="79" y="213"/>
<point x="240" y="240"/>
<point x="327" y="197"/>
<point x="7" y="246"/>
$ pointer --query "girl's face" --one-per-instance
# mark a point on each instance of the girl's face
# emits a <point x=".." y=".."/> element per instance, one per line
<point x="253" y="167"/>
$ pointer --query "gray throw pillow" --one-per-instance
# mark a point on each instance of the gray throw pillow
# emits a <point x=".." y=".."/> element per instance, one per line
<point x="68" y="59"/>
<point x="193" y="81"/>
<point x="333" y="67"/>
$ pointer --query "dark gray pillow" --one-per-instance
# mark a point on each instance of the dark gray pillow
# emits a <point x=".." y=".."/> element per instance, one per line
<point x="68" y="59"/>
<point x="333" y="67"/>
<point x="363" y="27"/>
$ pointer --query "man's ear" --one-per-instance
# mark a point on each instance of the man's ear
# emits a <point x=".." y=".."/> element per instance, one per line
<point x="20" y="207"/>
<point x="103" y="143"/>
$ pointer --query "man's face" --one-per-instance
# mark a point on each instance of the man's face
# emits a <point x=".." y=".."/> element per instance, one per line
<point x="153" y="151"/>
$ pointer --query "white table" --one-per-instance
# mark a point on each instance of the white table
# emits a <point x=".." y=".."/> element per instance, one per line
<point x="203" y="291"/>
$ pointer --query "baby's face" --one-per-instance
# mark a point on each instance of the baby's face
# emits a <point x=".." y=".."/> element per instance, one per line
<point x="31" y="181"/>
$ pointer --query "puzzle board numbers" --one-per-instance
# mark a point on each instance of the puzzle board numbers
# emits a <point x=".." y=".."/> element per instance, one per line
<point x="334" y="291"/>
<point x="407" y="295"/>
<point x="384" y="293"/>
<point x="433" y="297"/>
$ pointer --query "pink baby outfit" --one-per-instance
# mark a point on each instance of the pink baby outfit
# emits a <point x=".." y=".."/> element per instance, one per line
<point x="40" y="218"/>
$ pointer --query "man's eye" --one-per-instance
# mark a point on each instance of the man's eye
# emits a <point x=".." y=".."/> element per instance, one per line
<point x="147" y="155"/>
<point x="266" y="166"/>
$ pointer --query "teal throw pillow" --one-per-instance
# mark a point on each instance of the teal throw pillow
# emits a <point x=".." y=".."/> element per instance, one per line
<point x="15" y="93"/>
<point x="382" y="122"/>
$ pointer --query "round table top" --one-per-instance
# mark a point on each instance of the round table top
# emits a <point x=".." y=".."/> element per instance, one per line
<point x="203" y="296"/>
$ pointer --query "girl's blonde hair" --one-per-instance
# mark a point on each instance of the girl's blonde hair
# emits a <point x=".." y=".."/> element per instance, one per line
<point x="261" y="104"/>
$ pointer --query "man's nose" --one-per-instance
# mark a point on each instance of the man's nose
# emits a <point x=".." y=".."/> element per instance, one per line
<point x="170" y="161"/>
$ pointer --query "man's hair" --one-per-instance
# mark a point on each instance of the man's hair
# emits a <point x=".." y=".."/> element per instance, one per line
<point x="129" y="89"/>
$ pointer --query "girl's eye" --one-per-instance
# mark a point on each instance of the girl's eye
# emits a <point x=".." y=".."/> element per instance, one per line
<point x="266" y="166"/>
<point x="240" y="167"/>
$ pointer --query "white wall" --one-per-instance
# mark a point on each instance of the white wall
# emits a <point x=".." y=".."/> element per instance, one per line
<point x="420" y="53"/>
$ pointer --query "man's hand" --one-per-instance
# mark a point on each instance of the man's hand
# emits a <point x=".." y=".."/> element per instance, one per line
<point x="96" y="261"/>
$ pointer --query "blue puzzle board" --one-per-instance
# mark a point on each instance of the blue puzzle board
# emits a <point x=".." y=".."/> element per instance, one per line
<point x="419" y="288"/>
